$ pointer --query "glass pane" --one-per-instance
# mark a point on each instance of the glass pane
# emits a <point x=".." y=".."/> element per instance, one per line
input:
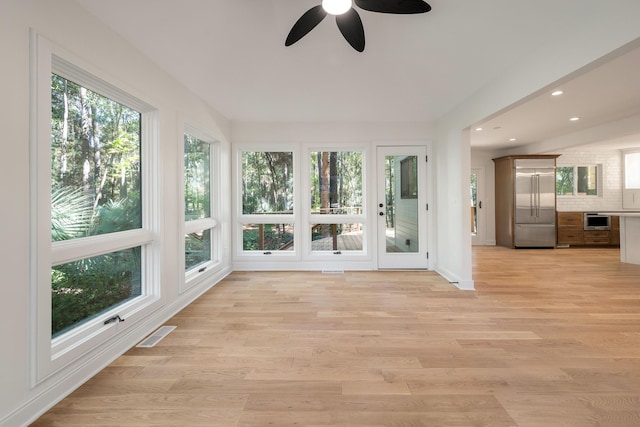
<point x="95" y="163"/>
<point x="267" y="182"/>
<point x="474" y="203"/>
<point x="564" y="180"/>
<point x="401" y="190"/>
<point x="197" y="189"/>
<point x="336" y="182"/>
<point x="267" y="237"/>
<point x="336" y="237"/>
<point x="632" y="170"/>
<point x="81" y="290"/>
<point x="587" y="181"/>
<point x="197" y="249"/>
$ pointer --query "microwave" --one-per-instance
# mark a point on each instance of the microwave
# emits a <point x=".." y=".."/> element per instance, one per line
<point x="594" y="221"/>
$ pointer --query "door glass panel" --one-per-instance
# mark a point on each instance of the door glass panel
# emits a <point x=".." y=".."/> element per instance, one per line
<point x="401" y="190"/>
<point x="474" y="203"/>
<point x="336" y="237"/>
<point x="336" y="182"/>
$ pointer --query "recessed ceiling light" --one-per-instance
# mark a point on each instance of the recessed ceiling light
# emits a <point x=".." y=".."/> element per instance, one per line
<point x="478" y="129"/>
<point x="574" y="119"/>
<point x="512" y="139"/>
<point x="557" y="93"/>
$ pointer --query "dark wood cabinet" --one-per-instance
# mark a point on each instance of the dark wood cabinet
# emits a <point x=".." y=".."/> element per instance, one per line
<point x="571" y="231"/>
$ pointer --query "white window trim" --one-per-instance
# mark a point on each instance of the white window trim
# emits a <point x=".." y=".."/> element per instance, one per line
<point x="599" y="181"/>
<point x="314" y="218"/>
<point x="201" y="272"/>
<point x="51" y="355"/>
<point x="242" y="219"/>
<point x="302" y="218"/>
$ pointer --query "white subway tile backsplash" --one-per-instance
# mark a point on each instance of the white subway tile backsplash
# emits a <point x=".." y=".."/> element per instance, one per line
<point x="610" y="180"/>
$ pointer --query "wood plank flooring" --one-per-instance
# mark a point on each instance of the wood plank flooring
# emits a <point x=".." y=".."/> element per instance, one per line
<point x="549" y="338"/>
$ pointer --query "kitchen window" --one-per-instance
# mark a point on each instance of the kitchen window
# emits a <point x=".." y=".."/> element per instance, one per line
<point x="578" y="180"/>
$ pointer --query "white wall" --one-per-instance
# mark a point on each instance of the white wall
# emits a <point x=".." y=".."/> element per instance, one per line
<point x="86" y="38"/>
<point x="617" y="26"/>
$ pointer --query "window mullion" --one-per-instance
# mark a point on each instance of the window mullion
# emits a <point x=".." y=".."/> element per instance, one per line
<point x="76" y="249"/>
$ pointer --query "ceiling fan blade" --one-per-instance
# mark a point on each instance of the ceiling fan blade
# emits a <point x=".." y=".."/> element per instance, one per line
<point x="306" y="23"/>
<point x="394" y="6"/>
<point x="350" y="26"/>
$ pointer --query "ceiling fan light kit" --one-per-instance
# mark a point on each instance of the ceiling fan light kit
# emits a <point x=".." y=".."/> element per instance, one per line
<point x="348" y="19"/>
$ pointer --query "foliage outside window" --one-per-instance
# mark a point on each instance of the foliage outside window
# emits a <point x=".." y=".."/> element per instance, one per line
<point x="95" y="190"/>
<point x="336" y="182"/>
<point x="197" y="178"/>
<point x="82" y="289"/>
<point x="199" y="221"/>
<point x="577" y="180"/>
<point x="267" y="237"/>
<point x="267" y="182"/>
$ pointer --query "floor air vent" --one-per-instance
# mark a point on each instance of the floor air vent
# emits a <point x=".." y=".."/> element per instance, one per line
<point x="155" y="337"/>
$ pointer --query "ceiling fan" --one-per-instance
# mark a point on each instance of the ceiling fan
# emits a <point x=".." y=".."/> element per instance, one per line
<point x="348" y="19"/>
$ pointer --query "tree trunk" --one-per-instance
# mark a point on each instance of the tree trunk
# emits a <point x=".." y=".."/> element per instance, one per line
<point x="85" y="135"/>
<point x="65" y="136"/>
<point x="325" y="201"/>
<point x="97" y="165"/>
<point x="333" y="180"/>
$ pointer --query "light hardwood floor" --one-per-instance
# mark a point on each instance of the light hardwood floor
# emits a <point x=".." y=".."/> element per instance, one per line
<point x="549" y="338"/>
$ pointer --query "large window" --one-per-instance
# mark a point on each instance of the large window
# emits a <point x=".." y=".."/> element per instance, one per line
<point x="336" y="201"/>
<point x="93" y="229"/>
<point x="267" y="201"/>
<point x="200" y="241"/>
<point x="95" y="190"/>
<point x="278" y="218"/>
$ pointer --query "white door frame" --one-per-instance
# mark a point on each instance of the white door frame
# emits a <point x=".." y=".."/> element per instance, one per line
<point x="481" y="232"/>
<point x="402" y="260"/>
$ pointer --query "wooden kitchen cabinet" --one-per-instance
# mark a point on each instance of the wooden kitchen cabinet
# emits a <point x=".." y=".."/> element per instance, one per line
<point x="571" y="231"/>
<point x="570" y="228"/>
<point x="596" y="237"/>
<point x="614" y="236"/>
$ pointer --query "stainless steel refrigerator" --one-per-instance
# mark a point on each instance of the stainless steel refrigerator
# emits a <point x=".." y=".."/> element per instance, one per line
<point x="535" y="203"/>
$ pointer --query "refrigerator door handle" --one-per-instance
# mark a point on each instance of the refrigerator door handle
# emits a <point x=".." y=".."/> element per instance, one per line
<point x="538" y="192"/>
<point x="532" y="198"/>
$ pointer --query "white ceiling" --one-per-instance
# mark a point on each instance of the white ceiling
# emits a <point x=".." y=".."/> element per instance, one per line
<point x="415" y="68"/>
<point x="605" y="92"/>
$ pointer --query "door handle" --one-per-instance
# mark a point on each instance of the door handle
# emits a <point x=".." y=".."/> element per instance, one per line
<point x="480" y="205"/>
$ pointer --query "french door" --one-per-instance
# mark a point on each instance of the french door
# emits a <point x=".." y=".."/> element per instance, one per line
<point x="402" y="207"/>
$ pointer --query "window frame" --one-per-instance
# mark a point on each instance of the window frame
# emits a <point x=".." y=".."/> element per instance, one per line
<point x="49" y="354"/>
<point x="243" y="219"/>
<point x="312" y="219"/>
<point x="599" y="180"/>
<point x="198" y="273"/>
